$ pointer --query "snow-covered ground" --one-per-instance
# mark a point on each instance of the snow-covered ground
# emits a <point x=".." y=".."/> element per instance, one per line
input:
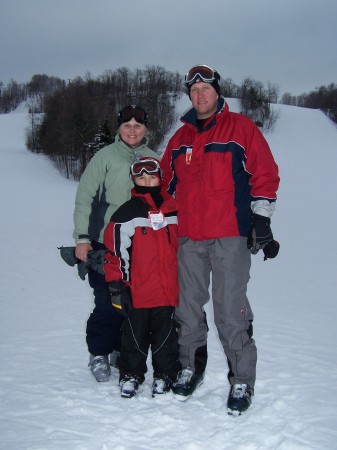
<point x="48" y="398"/>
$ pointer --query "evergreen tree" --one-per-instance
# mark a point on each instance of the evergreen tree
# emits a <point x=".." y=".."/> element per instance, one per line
<point x="102" y="138"/>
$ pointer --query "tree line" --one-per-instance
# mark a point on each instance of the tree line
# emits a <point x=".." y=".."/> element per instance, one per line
<point x="81" y="118"/>
<point x="256" y="100"/>
<point x="323" y="97"/>
<point x="69" y="120"/>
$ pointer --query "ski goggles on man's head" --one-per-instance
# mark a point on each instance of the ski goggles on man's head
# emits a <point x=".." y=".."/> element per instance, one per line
<point x="132" y="112"/>
<point x="149" y="166"/>
<point x="205" y="73"/>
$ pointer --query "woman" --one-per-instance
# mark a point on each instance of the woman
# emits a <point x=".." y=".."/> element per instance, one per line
<point x="104" y="186"/>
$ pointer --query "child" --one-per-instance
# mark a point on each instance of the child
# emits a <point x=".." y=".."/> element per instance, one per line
<point x="141" y="263"/>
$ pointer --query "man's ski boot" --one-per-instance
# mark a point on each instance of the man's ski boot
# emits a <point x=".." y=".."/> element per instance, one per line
<point x="239" y="399"/>
<point x="100" y="367"/>
<point x="186" y="383"/>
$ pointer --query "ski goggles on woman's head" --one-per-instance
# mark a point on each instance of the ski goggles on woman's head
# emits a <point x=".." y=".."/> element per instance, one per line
<point x="132" y="112"/>
<point x="205" y="73"/>
<point x="149" y="166"/>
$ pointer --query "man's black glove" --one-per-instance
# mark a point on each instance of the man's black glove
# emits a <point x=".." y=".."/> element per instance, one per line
<point x="260" y="233"/>
<point x="271" y="250"/>
<point x="121" y="297"/>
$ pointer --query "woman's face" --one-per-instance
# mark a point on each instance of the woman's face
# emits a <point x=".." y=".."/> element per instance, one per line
<point x="132" y="132"/>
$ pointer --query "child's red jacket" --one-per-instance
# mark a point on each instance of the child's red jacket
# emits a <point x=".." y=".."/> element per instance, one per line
<point x="144" y="257"/>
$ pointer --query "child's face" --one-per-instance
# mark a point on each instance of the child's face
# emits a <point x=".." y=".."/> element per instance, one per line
<point x="146" y="180"/>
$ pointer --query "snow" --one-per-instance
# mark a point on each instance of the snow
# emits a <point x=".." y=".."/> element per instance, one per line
<point x="50" y="401"/>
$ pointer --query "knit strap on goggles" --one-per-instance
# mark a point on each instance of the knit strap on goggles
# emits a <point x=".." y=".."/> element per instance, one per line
<point x="149" y="166"/>
<point x="207" y="74"/>
<point x="132" y="111"/>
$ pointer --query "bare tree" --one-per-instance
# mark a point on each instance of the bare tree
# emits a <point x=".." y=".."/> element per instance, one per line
<point x="74" y="114"/>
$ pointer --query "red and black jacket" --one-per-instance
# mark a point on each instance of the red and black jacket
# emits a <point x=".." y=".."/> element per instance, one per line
<point x="214" y="174"/>
<point x="141" y="256"/>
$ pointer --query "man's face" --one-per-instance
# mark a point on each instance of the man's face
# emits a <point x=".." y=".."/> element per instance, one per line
<point x="204" y="99"/>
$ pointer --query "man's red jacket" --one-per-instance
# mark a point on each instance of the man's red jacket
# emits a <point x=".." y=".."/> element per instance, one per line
<point x="215" y="174"/>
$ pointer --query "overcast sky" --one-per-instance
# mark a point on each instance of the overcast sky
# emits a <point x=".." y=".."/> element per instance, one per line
<point x="290" y="43"/>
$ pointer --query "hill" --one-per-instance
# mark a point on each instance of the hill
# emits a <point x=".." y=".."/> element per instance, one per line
<point x="49" y="400"/>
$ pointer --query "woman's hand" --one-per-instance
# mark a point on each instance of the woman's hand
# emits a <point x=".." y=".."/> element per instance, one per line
<point x="81" y="251"/>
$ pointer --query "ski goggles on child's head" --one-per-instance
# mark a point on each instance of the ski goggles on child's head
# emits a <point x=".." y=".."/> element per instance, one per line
<point x="132" y="112"/>
<point x="149" y="166"/>
<point x="205" y="73"/>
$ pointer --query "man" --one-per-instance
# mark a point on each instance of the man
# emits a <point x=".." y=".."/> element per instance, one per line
<point x="222" y="173"/>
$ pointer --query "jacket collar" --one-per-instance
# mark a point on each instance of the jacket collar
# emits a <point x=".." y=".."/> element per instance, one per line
<point x="169" y="204"/>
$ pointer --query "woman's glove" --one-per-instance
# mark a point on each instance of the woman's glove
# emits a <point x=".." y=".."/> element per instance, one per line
<point x="121" y="297"/>
<point x="260" y="233"/>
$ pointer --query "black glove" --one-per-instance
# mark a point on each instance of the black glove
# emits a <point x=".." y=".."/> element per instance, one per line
<point x="260" y="233"/>
<point x="271" y="250"/>
<point x="120" y="297"/>
<point x="96" y="260"/>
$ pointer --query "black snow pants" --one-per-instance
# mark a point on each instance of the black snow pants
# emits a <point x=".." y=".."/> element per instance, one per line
<point x="104" y="323"/>
<point x="155" y="328"/>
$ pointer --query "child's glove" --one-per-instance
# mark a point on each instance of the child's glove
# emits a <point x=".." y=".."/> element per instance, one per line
<point x="260" y="233"/>
<point x="120" y="297"/>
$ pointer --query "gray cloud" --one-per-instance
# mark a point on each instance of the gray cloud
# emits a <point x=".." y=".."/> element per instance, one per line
<point x="291" y="43"/>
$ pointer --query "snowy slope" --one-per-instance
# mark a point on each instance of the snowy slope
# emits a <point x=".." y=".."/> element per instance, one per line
<point x="48" y="398"/>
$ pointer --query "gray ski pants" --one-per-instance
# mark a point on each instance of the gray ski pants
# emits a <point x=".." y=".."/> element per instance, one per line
<point x="229" y="261"/>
